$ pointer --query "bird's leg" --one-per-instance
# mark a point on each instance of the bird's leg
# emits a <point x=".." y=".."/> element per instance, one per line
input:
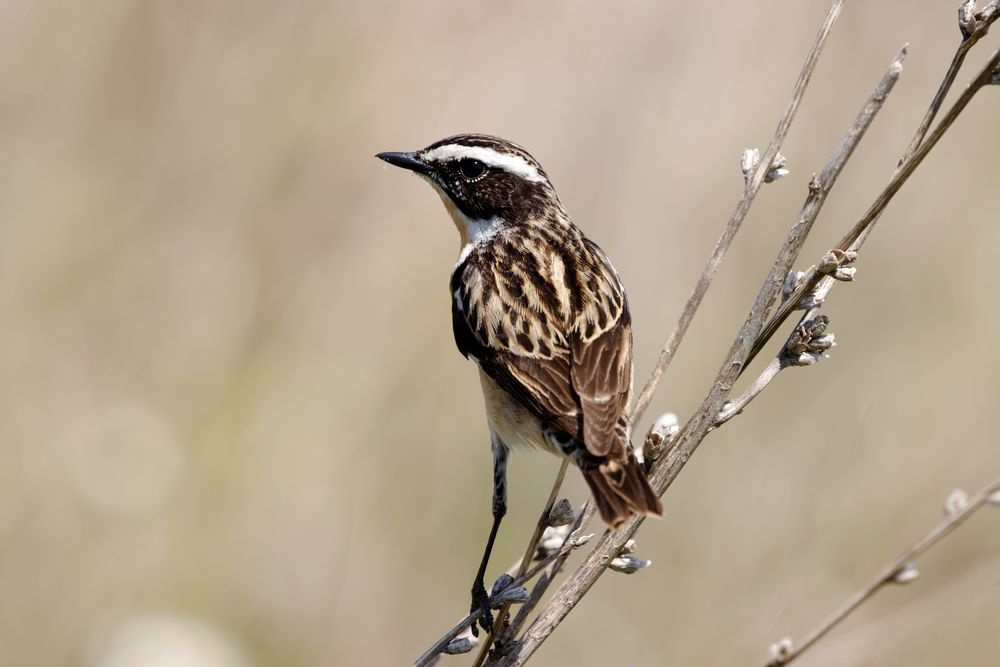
<point x="480" y="598"/>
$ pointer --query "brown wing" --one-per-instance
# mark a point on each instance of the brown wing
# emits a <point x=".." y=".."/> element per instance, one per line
<point x="602" y="378"/>
<point x="602" y="355"/>
<point x="541" y="385"/>
<point x="575" y="374"/>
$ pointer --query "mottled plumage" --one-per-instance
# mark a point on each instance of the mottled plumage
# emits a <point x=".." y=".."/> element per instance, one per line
<point x="542" y="311"/>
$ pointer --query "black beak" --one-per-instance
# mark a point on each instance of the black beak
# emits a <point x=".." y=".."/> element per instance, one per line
<point x="406" y="161"/>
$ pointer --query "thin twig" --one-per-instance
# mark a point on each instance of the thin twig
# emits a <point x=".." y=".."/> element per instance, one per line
<point x="529" y="552"/>
<point x="887" y="574"/>
<point x="736" y="406"/>
<point x="819" y="188"/>
<point x="749" y="193"/>
<point x="542" y="584"/>
<point x="573" y="542"/>
<point x="856" y="236"/>
<point x="990" y="14"/>
<point x="808" y="342"/>
<point x="588" y="512"/>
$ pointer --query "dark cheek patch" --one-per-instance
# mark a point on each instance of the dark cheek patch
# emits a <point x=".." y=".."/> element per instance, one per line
<point x="497" y="193"/>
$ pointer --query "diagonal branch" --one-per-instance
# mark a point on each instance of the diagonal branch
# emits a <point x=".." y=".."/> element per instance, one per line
<point x="785" y="651"/>
<point x="973" y="29"/>
<point x="574" y="541"/>
<point x="541" y="586"/>
<point x="974" y="26"/>
<point x="732" y="408"/>
<point x="819" y="188"/>
<point x="736" y="220"/>
<point x="855" y="238"/>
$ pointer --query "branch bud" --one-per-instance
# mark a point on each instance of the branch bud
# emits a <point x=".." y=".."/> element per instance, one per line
<point x="904" y="575"/>
<point x="822" y="343"/>
<point x="628" y="564"/>
<point x="971" y="21"/>
<point x="661" y="435"/>
<point x="777" y="169"/>
<point x="552" y="540"/>
<point x="561" y="514"/>
<point x="967" y="18"/>
<point x="956" y="501"/>
<point x="808" y="341"/>
<point x="835" y="259"/>
<point x="793" y="281"/>
<point x="510" y="594"/>
<point x="816" y="326"/>
<point x="748" y="163"/>
<point x="502" y="582"/>
<point x="781" y="651"/>
<point x="458" y="645"/>
<point x="844" y="273"/>
<point x="803" y="359"/>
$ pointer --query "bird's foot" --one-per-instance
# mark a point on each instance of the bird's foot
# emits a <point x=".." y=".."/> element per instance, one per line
<point x="481" y="602"/>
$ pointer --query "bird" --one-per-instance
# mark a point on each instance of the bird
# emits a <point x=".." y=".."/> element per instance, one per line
<point x="542" y="312"/>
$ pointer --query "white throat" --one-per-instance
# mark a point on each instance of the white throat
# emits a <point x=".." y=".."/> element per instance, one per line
<point x="477" y="232"/>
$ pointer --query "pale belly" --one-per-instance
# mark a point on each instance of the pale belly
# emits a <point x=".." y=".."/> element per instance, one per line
<point x="511" y="421"/>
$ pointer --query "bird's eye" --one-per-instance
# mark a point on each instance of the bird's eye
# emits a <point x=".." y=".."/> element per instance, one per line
<point x="471" y="169"/>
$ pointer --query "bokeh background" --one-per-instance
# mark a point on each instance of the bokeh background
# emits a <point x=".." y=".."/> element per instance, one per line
<point x="235" y="431"/>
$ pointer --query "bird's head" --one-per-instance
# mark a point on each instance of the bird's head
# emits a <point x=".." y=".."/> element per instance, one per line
<point x="485" y="182"/>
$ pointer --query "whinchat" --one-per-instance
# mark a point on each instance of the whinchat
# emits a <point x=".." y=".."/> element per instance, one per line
<point x="541" y="310"/>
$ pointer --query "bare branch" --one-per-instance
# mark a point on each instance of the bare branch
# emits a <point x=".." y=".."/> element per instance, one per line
<point x="974" y="27"/>
<point x="899" y="570"/>
<point x="819" y="188"/>
<point x="807" y="343"/>
<point x="732" y="408"/>
<point x="573" y="542"/>
<point x="855" y="238"/>
<point x="753" y="184"/>
<point x="541" y="586"/>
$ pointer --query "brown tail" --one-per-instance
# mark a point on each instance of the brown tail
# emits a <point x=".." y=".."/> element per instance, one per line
<point x="620" y="490"/>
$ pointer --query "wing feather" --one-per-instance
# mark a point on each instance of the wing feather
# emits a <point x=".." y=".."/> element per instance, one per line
<point x="602" y="379"/>
<point x="602" y="358"/>
<point x="578" y="377"/>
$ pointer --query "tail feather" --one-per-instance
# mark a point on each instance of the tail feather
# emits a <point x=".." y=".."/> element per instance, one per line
<point x="620" y="490"/>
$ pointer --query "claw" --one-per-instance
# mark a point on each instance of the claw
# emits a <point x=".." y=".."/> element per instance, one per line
<point x="481" y="601"/>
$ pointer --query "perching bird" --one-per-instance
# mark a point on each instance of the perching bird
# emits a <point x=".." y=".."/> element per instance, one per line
<point x="542" y="312"/>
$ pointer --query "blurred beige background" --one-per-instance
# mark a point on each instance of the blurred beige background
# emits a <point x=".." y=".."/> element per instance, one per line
<point x="235" y="431"/>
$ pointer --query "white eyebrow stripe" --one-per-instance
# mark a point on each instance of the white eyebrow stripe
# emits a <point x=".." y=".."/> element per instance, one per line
<point x="515" y="164"/>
